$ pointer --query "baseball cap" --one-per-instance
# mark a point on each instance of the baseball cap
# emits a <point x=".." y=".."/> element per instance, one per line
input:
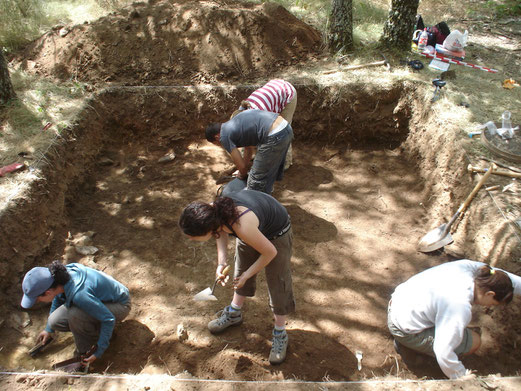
<point x="36" y="281"/>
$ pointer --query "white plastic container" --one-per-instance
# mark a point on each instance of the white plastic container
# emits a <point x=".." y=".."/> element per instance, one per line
<point x="507" y="123"/>
<point x="422" y="41"/>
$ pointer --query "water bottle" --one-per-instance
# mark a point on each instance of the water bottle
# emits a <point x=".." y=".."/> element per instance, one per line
<point x="422" y="41"/>
<point x="507" y="123"/>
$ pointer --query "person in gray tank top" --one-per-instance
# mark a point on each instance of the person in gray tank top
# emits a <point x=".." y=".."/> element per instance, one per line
<point x="264" y="241"/>
<point x="269" y="132"/>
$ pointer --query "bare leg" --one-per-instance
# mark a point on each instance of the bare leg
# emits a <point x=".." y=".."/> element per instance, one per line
<point x="238" y="300"/>
<point x="280" y="320"/>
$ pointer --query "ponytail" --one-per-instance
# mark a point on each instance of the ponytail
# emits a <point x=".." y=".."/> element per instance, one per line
<point x="59" y="273"/>
<point x="199" y="218"/>
<point x="497" y="281"/>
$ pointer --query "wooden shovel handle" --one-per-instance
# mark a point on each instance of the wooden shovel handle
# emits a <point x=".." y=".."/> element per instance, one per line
<point x="476" y="188"/>
<point x="471" y="168"/>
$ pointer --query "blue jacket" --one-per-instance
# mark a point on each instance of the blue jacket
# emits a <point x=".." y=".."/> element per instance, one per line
<point x="88" y="289"/>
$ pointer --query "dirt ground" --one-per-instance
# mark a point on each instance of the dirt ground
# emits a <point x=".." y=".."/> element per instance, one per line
<point x="359" y="202"/>
<point x="175" y="42"/>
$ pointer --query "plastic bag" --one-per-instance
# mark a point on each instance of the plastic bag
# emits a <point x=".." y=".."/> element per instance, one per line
<point x="456" y="41"/>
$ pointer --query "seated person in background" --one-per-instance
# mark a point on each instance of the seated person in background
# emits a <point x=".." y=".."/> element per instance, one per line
<point x="429" y="312"/>
<point x="84" y="301"/>
<point x="269" y="132"/>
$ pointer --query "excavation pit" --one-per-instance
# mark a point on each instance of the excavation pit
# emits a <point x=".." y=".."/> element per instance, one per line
<point x="356" y="194"/>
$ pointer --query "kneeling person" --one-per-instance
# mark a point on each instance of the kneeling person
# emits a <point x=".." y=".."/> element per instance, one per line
<point x="430" y="312"/>
<point x="85" y="301"/>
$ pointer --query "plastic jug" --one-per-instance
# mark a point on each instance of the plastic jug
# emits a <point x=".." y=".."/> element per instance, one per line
<point x="422" y="41"/>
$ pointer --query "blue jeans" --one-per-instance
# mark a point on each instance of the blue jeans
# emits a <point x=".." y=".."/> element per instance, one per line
<point x="268" y="165"/>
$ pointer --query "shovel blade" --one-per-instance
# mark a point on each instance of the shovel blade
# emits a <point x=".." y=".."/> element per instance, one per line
<point x="205" y="295"/>
<point x="435" y="239"/>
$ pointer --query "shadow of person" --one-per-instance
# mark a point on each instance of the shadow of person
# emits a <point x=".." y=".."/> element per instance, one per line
<point x="313" y="228"/>
<point x="314" y="356"/>
<point x="129" y="349"/>
<point x="420" y="364"/>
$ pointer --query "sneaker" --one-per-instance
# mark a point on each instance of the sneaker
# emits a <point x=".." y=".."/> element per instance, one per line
<point x="278" y="348"/>
<point x="226" y="318"/>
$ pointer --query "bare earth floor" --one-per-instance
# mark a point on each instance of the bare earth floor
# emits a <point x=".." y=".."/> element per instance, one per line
<point x="357" y="217"/>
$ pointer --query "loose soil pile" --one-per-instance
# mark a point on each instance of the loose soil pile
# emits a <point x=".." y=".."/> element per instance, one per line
<point x="175" y="42"/>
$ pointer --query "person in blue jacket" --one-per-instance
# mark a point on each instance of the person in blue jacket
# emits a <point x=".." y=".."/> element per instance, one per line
<point x="85" y="301"/>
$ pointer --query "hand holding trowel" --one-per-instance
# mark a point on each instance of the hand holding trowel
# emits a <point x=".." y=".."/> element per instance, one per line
<point x="76" y="364"/>
<point x="40" y="347"/>
<point x="207" y="294"/>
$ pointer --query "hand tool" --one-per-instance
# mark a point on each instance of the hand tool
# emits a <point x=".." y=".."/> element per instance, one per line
<point x="39" y="347"/>
<point x="371" y="64"/>
<point x="512" y="168"/>
<point x="76" y="364"/>
<point x="440" y="237"/>
<point x="207" y="294"/>
<point x="471" y="168"/>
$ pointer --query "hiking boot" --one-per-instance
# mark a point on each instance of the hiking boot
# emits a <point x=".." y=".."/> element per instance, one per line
<point x="226" y="318"/>
<point x="278" y="348"/>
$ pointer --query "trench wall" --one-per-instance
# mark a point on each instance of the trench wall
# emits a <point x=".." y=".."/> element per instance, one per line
<point x="356" y="116"/>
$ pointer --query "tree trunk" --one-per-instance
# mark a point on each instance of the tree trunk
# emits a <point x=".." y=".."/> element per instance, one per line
<point x="399" y="26"/>
<point x="340" y="31"/>
<point x="6" y="88"/>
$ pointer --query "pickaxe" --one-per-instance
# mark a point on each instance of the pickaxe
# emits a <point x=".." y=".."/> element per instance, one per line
<point x="371" y="64"/>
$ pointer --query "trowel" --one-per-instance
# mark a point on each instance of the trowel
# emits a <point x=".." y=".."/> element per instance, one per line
<point x="207" y="294"/>
<point x="75" y="364"/>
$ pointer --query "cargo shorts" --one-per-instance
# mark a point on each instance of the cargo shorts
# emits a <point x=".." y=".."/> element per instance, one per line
<point x="278" y="273"/>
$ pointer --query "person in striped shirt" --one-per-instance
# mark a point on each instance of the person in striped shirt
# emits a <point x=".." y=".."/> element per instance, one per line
<point x="277" y="96"/>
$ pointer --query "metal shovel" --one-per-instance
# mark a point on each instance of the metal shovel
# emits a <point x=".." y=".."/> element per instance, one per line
<point x="207" y="294"/>
<point x="440" y="237"/>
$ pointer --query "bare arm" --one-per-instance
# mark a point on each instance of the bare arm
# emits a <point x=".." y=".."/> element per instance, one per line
<point x="247" y="230"/>
<point x="239" y="163"/>
<point x="248" y="154"/>
<point x="222" y="254"/>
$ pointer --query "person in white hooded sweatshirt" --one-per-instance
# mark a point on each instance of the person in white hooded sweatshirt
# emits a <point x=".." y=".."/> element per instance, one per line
<point x="430" y="312"/>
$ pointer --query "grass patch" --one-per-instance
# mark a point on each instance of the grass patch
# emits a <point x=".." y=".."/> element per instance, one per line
<point x="39" y="102"/>
<point x="22" y="21"/>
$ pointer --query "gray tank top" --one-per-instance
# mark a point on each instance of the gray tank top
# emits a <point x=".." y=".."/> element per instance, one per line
<point x="273" y="217"/>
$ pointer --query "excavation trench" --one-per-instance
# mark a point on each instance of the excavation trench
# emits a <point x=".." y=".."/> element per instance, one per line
<point x="355" y="193"/>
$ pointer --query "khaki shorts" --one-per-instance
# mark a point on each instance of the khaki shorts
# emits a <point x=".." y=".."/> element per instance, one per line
<point x="423" y="342"/>
<point x="278" y="273"/>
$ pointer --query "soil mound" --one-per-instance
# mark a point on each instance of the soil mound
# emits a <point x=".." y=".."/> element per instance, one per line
<point x="174" y="41"/>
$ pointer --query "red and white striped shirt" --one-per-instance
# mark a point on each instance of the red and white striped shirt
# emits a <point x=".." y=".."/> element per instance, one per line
<point x="273" y="96"/>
